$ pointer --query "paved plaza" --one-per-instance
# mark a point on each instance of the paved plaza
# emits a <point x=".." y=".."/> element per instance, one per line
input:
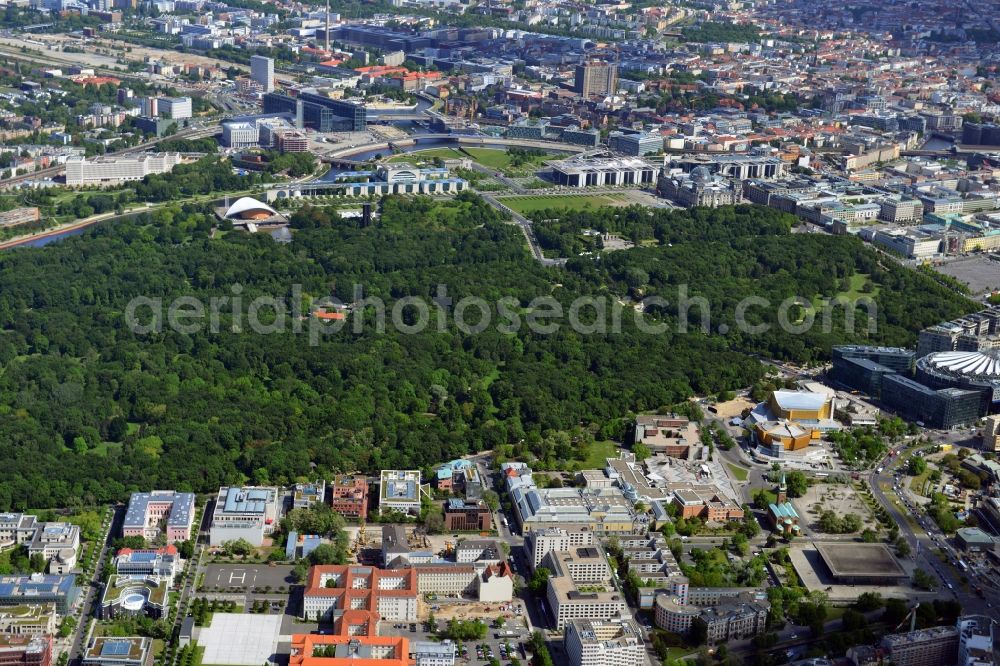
<point x="240" y="639"/>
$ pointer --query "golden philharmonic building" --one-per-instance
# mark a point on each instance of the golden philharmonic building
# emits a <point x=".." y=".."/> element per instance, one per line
<point x="791" y="420"/>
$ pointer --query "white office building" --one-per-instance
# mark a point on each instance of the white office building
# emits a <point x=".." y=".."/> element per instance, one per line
<point x="262" y="71"/>
<point x="975" y="640"/>
<point x="542" y="542"/>
<point x="161" y="564"/>
<point x="249" y="513"/>
<point x="17" y="528"/>
<point x="400" y="490"/>
<point x="58" y="544"/>
<point x="604" y="643"/>
<point x="580" y="587"/>
<point x="175" y="108"/>
<point x="117" y="170"/>
<point x="582" y="171"/>
<point x="431" y="653"/>
<point x="240" y="134"/>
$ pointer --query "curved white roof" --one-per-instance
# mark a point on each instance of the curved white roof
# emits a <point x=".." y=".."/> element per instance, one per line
<point x="967" y="363"/>
<point x="244" y="204"/>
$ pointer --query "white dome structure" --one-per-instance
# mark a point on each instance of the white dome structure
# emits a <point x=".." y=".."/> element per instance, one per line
<point x="248" y="208"/>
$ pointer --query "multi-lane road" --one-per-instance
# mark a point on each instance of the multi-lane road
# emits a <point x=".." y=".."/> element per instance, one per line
<point x="925" y="541"/>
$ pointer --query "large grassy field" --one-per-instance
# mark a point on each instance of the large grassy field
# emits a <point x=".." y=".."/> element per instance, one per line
<point x="525" y="205"/>
<point x="858" y="281"/>
<point x="443" y="153"/>
<point x="491" y="158"/>
<point x="598" y="453"/>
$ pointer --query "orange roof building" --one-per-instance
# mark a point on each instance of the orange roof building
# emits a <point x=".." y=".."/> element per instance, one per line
<point x="96" y="80"/>
<point x="380" y="70"/>
<point x="335" y="588"/>
<point x="323" y="650"/>
<point x="356" y="623"/>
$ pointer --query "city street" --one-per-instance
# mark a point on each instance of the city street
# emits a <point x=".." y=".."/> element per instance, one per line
<point x="921" y="543"/>
<point x="86" y="609"/>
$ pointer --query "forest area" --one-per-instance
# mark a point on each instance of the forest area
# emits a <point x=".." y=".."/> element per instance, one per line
<point x="90" y="410"/>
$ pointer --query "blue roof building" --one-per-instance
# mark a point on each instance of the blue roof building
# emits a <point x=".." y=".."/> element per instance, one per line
<point x="39" y="589"/>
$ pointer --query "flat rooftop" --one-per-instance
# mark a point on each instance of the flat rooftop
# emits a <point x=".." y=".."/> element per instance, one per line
<point x="871" y="560"/>
<point x="131" y="649"/>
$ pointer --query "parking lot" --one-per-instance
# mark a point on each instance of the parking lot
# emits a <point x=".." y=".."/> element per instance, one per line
<point x="512" y="633"/>
<point x="256" y="588"/>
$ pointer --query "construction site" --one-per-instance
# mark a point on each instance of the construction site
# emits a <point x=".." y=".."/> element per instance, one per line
<point x="367" y="546"/>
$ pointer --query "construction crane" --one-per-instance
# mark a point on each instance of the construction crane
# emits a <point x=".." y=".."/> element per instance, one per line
<point x="361" y="540"/>
<point x="912" y="617"/>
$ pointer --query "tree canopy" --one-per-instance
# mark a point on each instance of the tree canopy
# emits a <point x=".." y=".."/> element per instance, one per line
<point x="90" y="410"/>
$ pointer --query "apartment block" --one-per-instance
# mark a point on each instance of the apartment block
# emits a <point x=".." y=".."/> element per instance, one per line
<point x="117" y="170"/>
<point x="926" y="647"/>
<point x="569" y="600"/>
<point x="540" y="543"/>
<point x="596" y="78"/>
<point x="349" y="496"/>
<point x="150" y="514"/>
<point x="604" y="643"/>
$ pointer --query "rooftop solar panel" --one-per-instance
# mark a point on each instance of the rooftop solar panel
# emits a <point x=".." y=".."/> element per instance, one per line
<point x="115" y="648"/>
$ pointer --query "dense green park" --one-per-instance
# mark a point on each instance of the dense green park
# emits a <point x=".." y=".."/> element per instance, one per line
<point x="90" y="410"/>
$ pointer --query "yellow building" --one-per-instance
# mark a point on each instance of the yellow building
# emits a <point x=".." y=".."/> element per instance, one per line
<point x="801" y="406"/>
<point x="790" y="420"/>
<point x="790" y="436"/>
<point x="981" y="243"/>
